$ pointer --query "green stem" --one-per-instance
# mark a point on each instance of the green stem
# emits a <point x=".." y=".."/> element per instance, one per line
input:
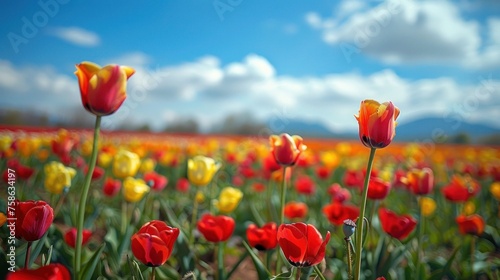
<point x="297" y="276"/>
<point x="319" y="273"/>
<point x="124" y="217"/>
<point x="210" y="199"/>
<point x="193" y="221"/>
<point x="59" y="203"/>
<point x="359" y="227"/>
<point x="282" y="217"/>
<point x="349" y="258"/>
<point x="153" y="273"/>
<point x="420" y="249"/>
<point x="472" y="251"/>
<point x="220" y="261"/>
<point x="83" y="199"/>
<point x="28" y="253"/>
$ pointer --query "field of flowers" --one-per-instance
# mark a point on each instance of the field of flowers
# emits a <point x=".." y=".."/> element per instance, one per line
<point x="80" y="204"/>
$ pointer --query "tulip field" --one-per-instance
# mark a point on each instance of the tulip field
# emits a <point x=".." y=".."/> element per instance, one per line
<point x="209" y="207"/>
<point x="96" y="204"/>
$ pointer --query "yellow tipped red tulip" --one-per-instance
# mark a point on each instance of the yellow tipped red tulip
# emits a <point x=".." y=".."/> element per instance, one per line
<point x="286" y="149"/>
<point x="103" y="89"/>
<point x="377" y="123"/>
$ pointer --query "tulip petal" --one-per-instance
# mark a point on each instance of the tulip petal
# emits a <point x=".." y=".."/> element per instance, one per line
<point x="293" y="241"/>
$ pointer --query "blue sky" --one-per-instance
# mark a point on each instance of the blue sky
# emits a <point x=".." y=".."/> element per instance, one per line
<point x="312" y="60"/>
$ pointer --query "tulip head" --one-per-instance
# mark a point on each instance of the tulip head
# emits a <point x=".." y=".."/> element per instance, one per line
<point x="134" y="189"/>
<point x="229" y="199"/>
<point x="286" y="149"/>
<point x="125" y="164"/>
<point x="377" y="123"/>
<point x="420" y="181"/>
<point x="153" y="243"/>
<point x="201" y="170"/>
<point x="216" y="228"/>
<point x="102" y="89"/>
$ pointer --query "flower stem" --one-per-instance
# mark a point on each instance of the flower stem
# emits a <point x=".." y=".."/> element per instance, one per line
<point x="83" y="199"/>
<point x="28" y="253"/>
<point x="124" y="217"/>
<point x="420" y="250"/>
<point x="349" y="258"/>
<point x="319" y="273"/>
<point x="472" y="259"/>
<point x="359" y="227"/>
<point x="193" y="221"/>
<point x="220" y="261"/>
<point x="153" y="273"/>
<point x="282" y="217"/>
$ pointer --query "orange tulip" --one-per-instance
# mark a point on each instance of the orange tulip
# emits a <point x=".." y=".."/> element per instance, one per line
<point x="103" y="90"/>
<point x="473" y="224"/>
<point x="377" y="123"/>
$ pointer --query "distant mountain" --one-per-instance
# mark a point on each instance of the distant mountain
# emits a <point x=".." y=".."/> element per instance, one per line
<point x="425" y="129"/>
<point x="431" y="128"/>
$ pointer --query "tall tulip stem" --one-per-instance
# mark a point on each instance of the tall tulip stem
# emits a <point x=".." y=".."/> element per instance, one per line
<point x="83" y="199"/>
<point x="282" y="217"/>
<point x="28" y="253"/>
<point x="220" y="261"/>
<point x="420" y="250"/>
<point x="319" y="273"/>
<point x="359" y="227"/>
<point x="153" y="273"/>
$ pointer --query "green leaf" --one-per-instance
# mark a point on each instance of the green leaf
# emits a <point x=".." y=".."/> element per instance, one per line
<point x="284" y="275"/>
<point x="89" y="268"/>
<point x="262" y="272"/>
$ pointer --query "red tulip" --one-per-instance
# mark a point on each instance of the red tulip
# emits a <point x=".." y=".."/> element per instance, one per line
<point x="377" y="123"/>
<point x="323" y="172"/>
<point x="216" y="228"/>
<point x="102" y="90"/>
<point x="337" y="212"/>
<point x="111" y="187"/>
<point x="305" y="185"/>
<point x="396" y="226"/>
<point x="354" y="179"/>
<point x="461" y="188"/>
<point x="33" y="219"/>
<point x="62" y="147"/>
<point x="258" y="187"/>
<point x="420" y="181"/>
<point x="182" y="185"/>
<point x="154" y="242"/>
<point x="97" y="174"/>
<point x="378" y="189"/>
<point x="263" y="238"/>
<point x="22" y="171"/>
<point x="286" y="149"/>
<point x="473" y="224"/>
<point x="270" y="164"/>
<point x="302" y="244"/>
<point x="338" y="193"/>
<point x="156" y="181"/>
<point x="53" y="271"/>
<point x="295" y="210"/>
<point x="70" y="237"/>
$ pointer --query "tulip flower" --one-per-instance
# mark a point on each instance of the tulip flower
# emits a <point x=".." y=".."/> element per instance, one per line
<point x="102" y="89"/>
<point x="201" y="170"/>
<point x="460" y="189"/>
<point x="70" y="237"/>
<point x="353" y="179"/>
<point x="125" y="164"/>
<point x="337" y="212"/>
<point x="33" y="219"/>
<point x="3" y="219"/>
<point x="153" y="243"/>
<point x="378" y="189"/>
<point x="111" y="187"/>
<point x="302" y="244"/>
<point x="58" y="177"/>
<point x="147" y="165"/>
<point x="182" y="185"/>
<point x="286" y="149"/>
<point x="22" y="171"/>
<point x="338" y="193"/>
<point x="495" y="190"/>
<point x="420" y="181"/>
<point x="156" y="181"/>
<point x="53" y="271"/>
<point x="269" y="163"/>
<point x="216" y="228"/>
<point x="104" y="159"/>
<point x="134" y="189"/>
<point x="397" y="226"/>
<point x="427" y="205"/>
<point x="229" y="199"/>
<point x="377" y="123"/>
<point x="264" y="238"/>
<point x="295" y="210"/>
<point x="97" y="174"/>
<point x="473" y="224"/>
<point x="305" y="185"/>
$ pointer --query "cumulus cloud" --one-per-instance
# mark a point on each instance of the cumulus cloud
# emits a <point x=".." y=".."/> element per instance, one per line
<point x="76" y="35"/>
<point x="397" y="31"/>
<point x="207" y="91"/>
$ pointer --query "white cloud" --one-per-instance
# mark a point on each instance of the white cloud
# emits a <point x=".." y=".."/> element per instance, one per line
<point x="76" y="35"/>
<point x="207" y="91"/>
<point x="397" y="31"/>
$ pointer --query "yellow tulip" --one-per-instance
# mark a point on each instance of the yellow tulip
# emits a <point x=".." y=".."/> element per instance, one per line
<point x="469" y="208"/>
<point x="495" y="190"/>
<point x="330" y="159"/>
<point x="104" y="159"/>
<point x="125" y="164"/>
<point x="428" y="206"/>
<point x="201" y="170"/>
<point x="5" y="142"/>
<point x="134" y="189"/>
<point x="200" y="197"/>
<point x="58" y="177"/>
<point x="229" y="199"/>
<point x="147" y="165"/>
